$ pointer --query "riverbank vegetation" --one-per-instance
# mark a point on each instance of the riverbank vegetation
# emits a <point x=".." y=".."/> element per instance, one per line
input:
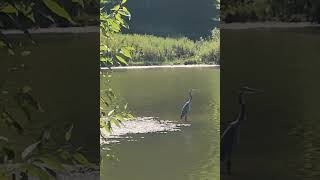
<point x="111" y="23"/>
<point x="154" y="50"/>
<point x="270" y="10"/>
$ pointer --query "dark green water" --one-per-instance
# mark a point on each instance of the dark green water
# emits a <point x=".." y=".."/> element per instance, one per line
<point x="63" y="74"/>
<point x="189" y="154"/>
<point x="280" y="140"/>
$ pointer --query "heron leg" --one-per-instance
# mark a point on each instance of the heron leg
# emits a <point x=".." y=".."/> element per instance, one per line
<point x="185" y="118"/>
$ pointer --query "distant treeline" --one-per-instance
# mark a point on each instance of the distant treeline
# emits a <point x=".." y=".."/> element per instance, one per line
<point x="32" y="13"/>
<point x="191" y="18"/>
<point x="270" y="10"/>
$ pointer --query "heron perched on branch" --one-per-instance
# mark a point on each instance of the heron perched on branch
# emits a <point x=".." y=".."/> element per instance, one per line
<point x="187" y="106"/>
<point x="230" y="136"/>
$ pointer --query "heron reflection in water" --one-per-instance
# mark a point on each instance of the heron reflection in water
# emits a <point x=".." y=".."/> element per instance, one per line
<point x="230" y="136"/>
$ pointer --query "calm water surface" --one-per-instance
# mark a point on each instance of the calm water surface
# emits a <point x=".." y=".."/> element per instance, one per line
<point x="60" y="70"/>
<point x="280" y="139"/>
<point x="189" y="154"/>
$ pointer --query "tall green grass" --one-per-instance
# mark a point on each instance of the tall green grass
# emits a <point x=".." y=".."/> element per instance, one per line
<point x="153" y="50"/>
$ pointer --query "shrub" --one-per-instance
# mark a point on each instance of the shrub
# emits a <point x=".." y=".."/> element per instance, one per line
<point x="153" y="50"/>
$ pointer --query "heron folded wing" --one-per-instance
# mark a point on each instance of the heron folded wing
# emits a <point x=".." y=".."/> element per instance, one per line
<point x="184" y="110"/>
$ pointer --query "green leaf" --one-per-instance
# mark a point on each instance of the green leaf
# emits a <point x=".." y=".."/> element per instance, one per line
<point x="26" y="10"/>
<point x="111" y="112"/>
<point x="108" y="127"/>
<point x="37" y="172"/>
<point x="8" y="8"/>
<point x="121" y="59"/>
<point x="115" y="121"/>
<point x="57" y="9"/>
<point x="11" y="52"/>
<point x="9" y="120"/>
<point x="80" y="158"/>
<point x="116" y="8"/>
<point x="126" y="52"/>
<point x="124" y="11"/>
<point x="105" y="59"/>
<point x="125" y="25"/>
<point x="64" y="154"/>
<point x="31" y="17"/>
<point x="50" y="18"/>
<point x="2" y="44"/>
<point x="120" y="118"/>
<point x="104" y="48"/>
<point x="123" y="1"/>
<point x="102" y="123"/>
<point x="114" y="25"/>
<point x="25" y="53"/>
<point x="27" y="151"/>
<point x="130" y="116"/>
<point x="80" y="2"/>
<point x="52" y="163"/>
<point x="69" y="133"/>
<point x="26" y="89"/>
<point x="2" y="138"/>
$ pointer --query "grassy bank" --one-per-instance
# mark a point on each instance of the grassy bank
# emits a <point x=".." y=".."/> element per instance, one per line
<point x="152" y="50"/>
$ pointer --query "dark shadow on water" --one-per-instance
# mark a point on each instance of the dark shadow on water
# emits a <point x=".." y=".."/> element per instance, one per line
<point x="278" y="140"/>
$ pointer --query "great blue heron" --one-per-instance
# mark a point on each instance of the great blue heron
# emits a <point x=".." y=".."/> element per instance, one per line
<point x="230" y="136"/>
<point x="187" y="106"/>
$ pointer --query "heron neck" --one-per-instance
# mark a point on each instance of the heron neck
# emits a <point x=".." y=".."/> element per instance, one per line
<point x="190" y="97"/>
<point x="242" y="113"/>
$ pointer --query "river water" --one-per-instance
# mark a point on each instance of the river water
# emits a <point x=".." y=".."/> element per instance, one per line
<point x="279" y="140"/>
<point x="157" y="145"/>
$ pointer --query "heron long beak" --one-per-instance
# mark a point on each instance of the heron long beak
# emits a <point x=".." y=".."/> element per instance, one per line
<point x="195" y="90"/>
<point x="251" y="90"/>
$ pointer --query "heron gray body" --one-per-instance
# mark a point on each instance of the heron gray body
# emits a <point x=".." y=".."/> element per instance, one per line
<point x="230" y="136"/>
<point x="186" y="107"/>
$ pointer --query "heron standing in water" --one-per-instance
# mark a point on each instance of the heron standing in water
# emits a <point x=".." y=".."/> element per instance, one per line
<point x="230" y="136"/>
<point x="186" y="107"/>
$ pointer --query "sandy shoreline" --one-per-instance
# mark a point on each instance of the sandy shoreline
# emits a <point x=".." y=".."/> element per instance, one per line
<point x="162" y="66"/>
<point x="223" y="25"/>
<point x="270" y="24"/>
<point x="56" y="30"/>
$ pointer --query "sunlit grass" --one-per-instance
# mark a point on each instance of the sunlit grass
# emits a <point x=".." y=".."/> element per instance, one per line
<point x="153" y="50"/>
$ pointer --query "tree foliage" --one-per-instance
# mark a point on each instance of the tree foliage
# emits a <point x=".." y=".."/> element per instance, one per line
<point x="270" y="10"/>
<point x="43" y="156"/>
<point x="43" y="13"/>
<point x="111" y="22"/>
<point x="25" y="14"/>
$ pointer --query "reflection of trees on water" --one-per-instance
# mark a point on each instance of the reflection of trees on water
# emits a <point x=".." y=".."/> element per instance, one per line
<point x="210" y="167"/>
<point x="305" y="131"/>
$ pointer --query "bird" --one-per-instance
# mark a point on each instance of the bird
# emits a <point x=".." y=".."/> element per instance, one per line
<point x="230" y="136"/>
<point x="186" y="107"/>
